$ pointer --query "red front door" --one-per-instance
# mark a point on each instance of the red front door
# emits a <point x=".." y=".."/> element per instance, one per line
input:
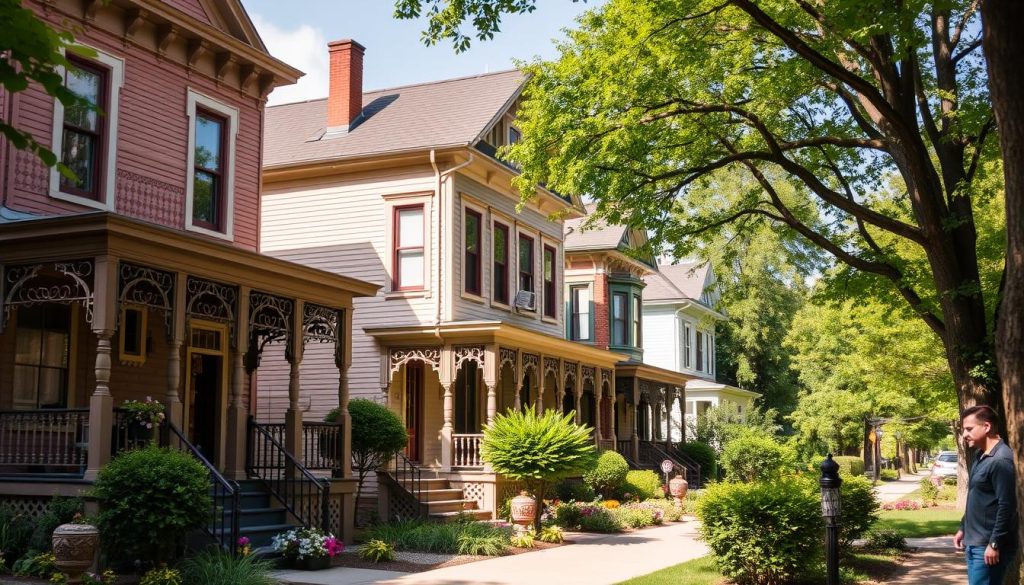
<point x="413" y="408"/>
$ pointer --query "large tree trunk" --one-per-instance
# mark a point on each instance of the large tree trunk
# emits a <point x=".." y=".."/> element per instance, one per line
<point x="1003" y="43"/>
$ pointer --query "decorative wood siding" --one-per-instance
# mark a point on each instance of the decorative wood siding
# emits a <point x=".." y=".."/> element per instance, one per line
<point x="193" y="8"/>
<point x="341" y="226"/>
<point x="465" y="309"/>
<point x="152" y="142"/>
<point x="661" y="337"/>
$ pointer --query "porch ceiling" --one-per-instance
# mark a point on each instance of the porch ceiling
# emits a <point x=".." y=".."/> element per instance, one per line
<point x="90" y="235"/>
<point x="496" y="332"/>
<point x="652" y="373"/>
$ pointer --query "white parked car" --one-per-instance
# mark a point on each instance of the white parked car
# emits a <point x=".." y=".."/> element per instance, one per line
<point x="945" y="464"/>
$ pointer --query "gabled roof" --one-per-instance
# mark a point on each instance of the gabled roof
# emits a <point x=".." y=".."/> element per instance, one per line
<point x="685" y="281"/>
<point x="441" y="114"/>
<point x="599" y="235"/>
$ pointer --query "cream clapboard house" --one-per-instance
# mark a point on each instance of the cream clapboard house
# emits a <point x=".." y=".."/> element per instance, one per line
<point x="401" y="187"/>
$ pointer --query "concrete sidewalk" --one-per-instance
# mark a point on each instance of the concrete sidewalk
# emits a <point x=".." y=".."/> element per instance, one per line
<point x="592" y="559"/>
<point x="891" y="491"/>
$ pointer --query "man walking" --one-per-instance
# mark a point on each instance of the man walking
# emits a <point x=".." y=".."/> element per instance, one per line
<point x="989" y="526"/>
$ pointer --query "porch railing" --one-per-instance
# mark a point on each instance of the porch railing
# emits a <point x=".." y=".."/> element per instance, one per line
<point x="44" y="441"/>
<point x="606" y="445"/>
<point x="408" y="478"/>
<point x="304" y="495"/>
<point x="467" y="450"/>
<point x="225" y="493"/>
<point x="321" y="444"/>
<point x="128" y="432"/>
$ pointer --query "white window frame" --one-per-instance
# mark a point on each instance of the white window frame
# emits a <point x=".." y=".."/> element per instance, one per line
<point x="107" y="201"/>
<point x="391" y="201"/>
<point x="687" y="344"/>
<point x="230" y="113"/>
<point x="558" y="272"/>
<point x="511" y="266"/>
<point x="485" y="272"/>
<point x="534" y="235"/>
<point x="568" y="288"/>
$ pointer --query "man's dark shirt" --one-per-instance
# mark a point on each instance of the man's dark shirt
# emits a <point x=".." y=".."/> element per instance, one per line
<point x="991" y="514"/>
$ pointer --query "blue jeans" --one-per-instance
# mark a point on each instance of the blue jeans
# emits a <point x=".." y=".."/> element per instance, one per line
<point x="978" y="573"/>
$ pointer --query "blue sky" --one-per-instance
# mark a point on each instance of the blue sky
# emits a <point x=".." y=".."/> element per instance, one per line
<point x="297" y="32"/>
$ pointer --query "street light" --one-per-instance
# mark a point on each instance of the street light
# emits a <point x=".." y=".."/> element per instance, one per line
<point x="830" y="508"/>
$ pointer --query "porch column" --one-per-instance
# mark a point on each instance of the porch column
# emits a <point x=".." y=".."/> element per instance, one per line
<point x="293" y="417"/>
<point x="636" y="403"/>
<point x="517" y="386"/>
<point x="598" y="411"/>
<point x="238" y="412"/>
<point x="612" y="431"/>
<point x="670" y="398"/>
<point x="539" y="407"/>
<point x="560" y="392"/>
<point x="101" y="402"/>
<point x="447" y="378"/>
<point x="491" y="372"/>
<point x="578" y="391"/>
<point x="175" y="410"/>
<point x="343" y="360"/>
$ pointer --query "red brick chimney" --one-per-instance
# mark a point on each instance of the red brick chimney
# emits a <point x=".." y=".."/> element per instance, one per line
<point x="345" y="99"/>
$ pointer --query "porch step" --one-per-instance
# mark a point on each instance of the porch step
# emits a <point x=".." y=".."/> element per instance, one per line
<point x="261" y="535"/>
<point x="432" y="483"/>
<point x="262" y="516"/>
<point x="452" y="516"/>
<point x="439" y="506"/>
<point x="440" y="494"/>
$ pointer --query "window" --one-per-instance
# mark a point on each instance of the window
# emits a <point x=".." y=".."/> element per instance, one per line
<point x="579" y="309"/>
<point x="42" y="347"/>
<point x="133" y="335"/>
<point x="207" y="172"/>
<point x="687" y="345"/>
<point x="407" y="261"/>
<point x="526" y="263"/>
<point x="85" y="134"/>
<point x="700" y="351"/>
<point x="514" y="135"/>
<point x="210" y="184"/>
<point x="636" y="316"/>
<point x="550" y="300"/>
<point x="473" y="257"/>
<point x="500" y="250"/>
<point x="619" y="319"/>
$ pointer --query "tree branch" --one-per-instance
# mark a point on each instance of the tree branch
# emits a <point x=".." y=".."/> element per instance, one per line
<point x="979" y="145"/>
<point x="954" y="38"/>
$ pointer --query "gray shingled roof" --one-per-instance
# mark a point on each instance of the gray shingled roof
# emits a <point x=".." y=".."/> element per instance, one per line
<point x="598" y="236"/>
<point x="439" y="114"/>
<point x="676" y="281"/>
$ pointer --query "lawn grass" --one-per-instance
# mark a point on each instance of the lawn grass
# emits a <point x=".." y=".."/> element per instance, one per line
<point x="920" y="523"/>
<point x="700" y="571"/>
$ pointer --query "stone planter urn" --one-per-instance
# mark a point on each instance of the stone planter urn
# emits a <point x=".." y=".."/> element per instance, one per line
<point x="524" y="508"/>
<point x="74" y="546"/>
<point x="678" y="488"/>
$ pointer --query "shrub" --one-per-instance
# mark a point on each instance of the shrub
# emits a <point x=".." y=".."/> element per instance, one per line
<point x="215" y="567"/>
<point x="448" y="537"/>
<point x="377" y="551"/>
<point x="901" y="505"/>
<point x="859" y="508"/>
<point x="885" y="540"/>
<point x="377" y="434"/>
<point x="149" y="500"/>
<point x="600" y="522"/>
<point x="487" y="544"/>
<point x="59" y="510"/>
<point x="567" y="515"/>
<point x="849" y="466"/>
<point x="669" y="511"/>
<point x="574" y="490"/>
<point x="947" y="493"/>
<point x="523" y="539"/>
<point x="35" y="564"/>
<point x="608" y="473"/>
<point x="15" y="534"/>
<point x="643" y="485"/>
<point x="551" y="534"/>
<point x="161" y="576"/>
<point x="948" y="480"/>
<point x="638" y="515"/>
<point x="536" y="449"/>
<point x="704" y="455"/>
<point x="761" y="532"/>
<point x="929" y="491"/>
<point x="753" y="457"/>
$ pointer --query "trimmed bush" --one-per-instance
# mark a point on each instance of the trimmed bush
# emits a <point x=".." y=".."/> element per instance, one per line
<point x="848" y="466"/>
<point x="670" y="512"/>
<point x="704" y="455"/>
<point x="215" y="567"/>
<point x="600" y="521"/>
<point x="859" y="509"/>
<point x="632" y="516"/>
<point x="885" y="540"/>
<point x="929" y="492"/>
<point x="762" y="533"/>
<point x="377" y="434"/>
<point x="754" y="456"/>
<point x="642" y="485"/>
<point x="149" y="500"/>
<point x="573" y="489"/>
<point x="888" y="475"/>
<point x="608" y="473"/>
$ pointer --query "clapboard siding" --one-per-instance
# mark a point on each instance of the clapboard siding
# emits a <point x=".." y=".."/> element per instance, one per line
<point x="468" y="309"/>
<point x="152" y="139"/>
<point x="191" y="7"/>
<point x="661" y="340"/>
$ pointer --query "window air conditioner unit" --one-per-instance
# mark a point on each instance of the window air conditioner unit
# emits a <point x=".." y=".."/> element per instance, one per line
<point x="526" y="300"/>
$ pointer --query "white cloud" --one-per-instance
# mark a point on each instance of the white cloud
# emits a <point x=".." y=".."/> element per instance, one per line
<point x="303" y="48"/>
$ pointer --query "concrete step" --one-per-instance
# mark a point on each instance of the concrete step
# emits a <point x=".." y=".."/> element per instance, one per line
<point x="249" y="500"/>
<point x="261" y="535"/>
<point x="262" y="516"/>
<point x="451" y="516"/>
<point x="437" y="495"/>
<point x="451" y="506"/>
<point x="433" y="483"/>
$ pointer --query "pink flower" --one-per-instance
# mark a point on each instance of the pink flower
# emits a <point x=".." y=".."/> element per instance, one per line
<point x="243" y="541"/>
<point x="333" y="546"/>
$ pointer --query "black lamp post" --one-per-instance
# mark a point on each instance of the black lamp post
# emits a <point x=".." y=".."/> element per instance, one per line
<point x="830" y="506"/>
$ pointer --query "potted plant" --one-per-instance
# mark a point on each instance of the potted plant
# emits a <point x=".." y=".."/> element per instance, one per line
<point x="142" y="418"/>
<point x="307" y="549"/>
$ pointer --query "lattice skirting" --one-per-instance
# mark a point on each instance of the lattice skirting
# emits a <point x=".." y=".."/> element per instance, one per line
<point x="475" y="491"/>
<point x="31" y="506"/>
<point x="401" y="507"/>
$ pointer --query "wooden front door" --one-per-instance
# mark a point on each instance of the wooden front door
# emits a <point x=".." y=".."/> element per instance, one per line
<point x="206" y="397"/>
<point x="413" y="408"/>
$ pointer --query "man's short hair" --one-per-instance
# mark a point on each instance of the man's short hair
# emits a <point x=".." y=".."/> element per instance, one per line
<point x="984" y="414"/>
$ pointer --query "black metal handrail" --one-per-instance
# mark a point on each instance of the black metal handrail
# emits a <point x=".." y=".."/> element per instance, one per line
<point x="321" y="444"/>
<point x="690" y="463"/>
<point x="299" y="491"/>
<point x="226" y="494"/>
<point x="653" y="452"/>
<point x="410" y="478"/>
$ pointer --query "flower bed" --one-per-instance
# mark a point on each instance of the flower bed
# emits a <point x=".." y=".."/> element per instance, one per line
<point x="902" y="505"/>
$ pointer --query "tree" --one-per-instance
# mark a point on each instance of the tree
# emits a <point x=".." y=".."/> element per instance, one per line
<point x="377" y="434"/>
<point x="537" y="450"/>
<point x="33" y="53"/>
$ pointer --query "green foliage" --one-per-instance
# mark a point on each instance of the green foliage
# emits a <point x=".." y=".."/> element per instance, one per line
<point x="536" y="449"/>
<point x="859" y="509"/>
<point x="947" y="493"/>
<point x="888" y="475"/>
<point x="149" y="500"/>
<point x="608" y="473"/>
<point x="849" y="466"/>
<point x="567" y="515"/>
<point x="35" y="564"/>
<point x="642" y="485"/>
<point x="704" y="455"/>
<point x="720" y="424"/>
<point x="377" y="434"/>
<point x="552" y="534"/>
<point x="448" y="537"/>
<point x="216" y="567"/>
<point x="762" y="532"/>
<point x="377" y="551"/>
<point x="636" y="515"/>
<point x="15" y="533"/>
<point x="885" y="540"/>
<point x="601" y="520"/>
<point x="929" y="491"/>
<point x="669" y="511"/>
<point x="522" y="539"/>
<point x="59" y="510"/>
<point x="755" y="456"/>
<point x="573" y="489"/>
<point x="163" y="575"/>
<point x="445" y="18"/>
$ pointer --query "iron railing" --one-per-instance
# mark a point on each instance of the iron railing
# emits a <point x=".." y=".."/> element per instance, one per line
<point x="44" y="441"/>
<point x="225" y="493"/>
<point x="409" y="477"/>
<point x="466" y="450"/>
<point x="129" y="433"/>
<point x="652" y="453"/>
<point x="302" y="494"/>
<point x="321" y="444"/>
